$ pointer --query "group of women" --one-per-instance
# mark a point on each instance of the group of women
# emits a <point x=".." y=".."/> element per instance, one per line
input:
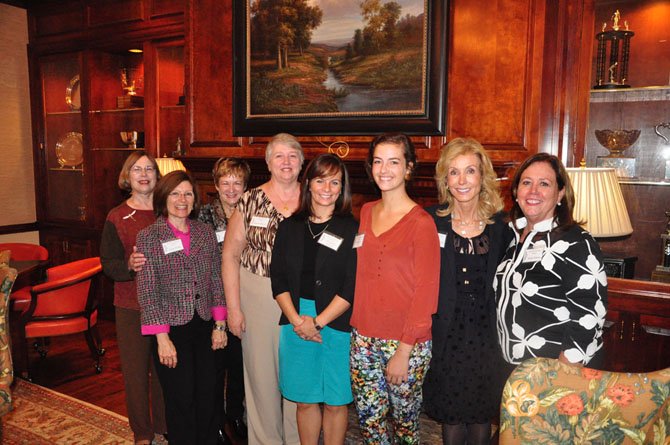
<point x="409" y="309"/>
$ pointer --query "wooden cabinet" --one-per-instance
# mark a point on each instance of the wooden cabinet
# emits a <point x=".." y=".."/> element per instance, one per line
<point x="86" y="106"/>
<point x="637" y="336"/>
<point x="86" y="88"/>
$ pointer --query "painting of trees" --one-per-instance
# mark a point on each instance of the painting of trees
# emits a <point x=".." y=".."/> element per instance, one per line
<point x="326" y="59"/>
<point x="282" y="25"/>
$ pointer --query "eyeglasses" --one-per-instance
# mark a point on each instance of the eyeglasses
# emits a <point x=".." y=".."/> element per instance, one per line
<point x="137" y="170"/>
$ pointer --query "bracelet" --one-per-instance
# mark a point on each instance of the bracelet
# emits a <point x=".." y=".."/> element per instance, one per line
<point x="317" y="326"/>
<point x="219" y="327"/>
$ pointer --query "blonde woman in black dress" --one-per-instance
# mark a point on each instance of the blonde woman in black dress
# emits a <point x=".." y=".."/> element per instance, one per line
<point x="462" y="390"/>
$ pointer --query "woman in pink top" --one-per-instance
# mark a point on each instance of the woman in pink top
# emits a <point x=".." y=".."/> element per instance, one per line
<point x="397" y="281"/>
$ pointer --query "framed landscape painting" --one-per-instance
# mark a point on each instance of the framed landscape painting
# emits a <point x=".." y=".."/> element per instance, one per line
<point x="340" y="67"/>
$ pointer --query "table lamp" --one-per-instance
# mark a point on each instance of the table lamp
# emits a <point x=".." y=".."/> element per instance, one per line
<point x="599" y="201"/>
<point x="167" y="165"/>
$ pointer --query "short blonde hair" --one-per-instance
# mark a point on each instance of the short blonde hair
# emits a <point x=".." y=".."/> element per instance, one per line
<point x="490" y="202"/>
<point x="231" y="166"/>
<point x="286" y="139"/>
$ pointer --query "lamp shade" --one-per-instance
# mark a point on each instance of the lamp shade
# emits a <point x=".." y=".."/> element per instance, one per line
<point x="599" y="201"/>
<point x="167" y="165"/>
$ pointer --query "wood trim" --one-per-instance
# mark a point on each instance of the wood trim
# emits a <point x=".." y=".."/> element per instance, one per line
<point x="644" y="297"/>
<point x="19" y="228"/>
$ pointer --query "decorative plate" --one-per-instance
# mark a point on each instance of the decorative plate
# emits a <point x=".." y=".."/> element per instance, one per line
<point x="72" y="94"/>
<point x="70" y="150"/>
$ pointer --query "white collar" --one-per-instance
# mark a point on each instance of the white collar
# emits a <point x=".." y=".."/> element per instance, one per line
<point x="542" y="226"/>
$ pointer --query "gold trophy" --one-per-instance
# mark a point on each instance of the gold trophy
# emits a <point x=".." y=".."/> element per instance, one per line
<point x="619" y="54"/>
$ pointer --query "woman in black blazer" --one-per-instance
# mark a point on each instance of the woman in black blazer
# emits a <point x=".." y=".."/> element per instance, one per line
<point x="462" y="388"/>
<point x="313" y="273"/>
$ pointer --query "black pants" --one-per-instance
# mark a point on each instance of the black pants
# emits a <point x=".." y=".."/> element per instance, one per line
<point x="230" y="373"/>
<point x="189" y="388"/>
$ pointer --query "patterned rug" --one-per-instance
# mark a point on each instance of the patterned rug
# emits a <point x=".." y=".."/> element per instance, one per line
<point x="42" y="416"/>
<point x="431" y="431"/>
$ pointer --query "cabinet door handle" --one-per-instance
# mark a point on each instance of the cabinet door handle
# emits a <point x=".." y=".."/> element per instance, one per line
<point x="632" y="333"/>
<point x="621" y="331"/>
<point x="656" y="331"/>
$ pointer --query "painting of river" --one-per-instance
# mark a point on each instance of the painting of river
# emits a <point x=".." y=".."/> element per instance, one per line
<point x="316" y="59"/>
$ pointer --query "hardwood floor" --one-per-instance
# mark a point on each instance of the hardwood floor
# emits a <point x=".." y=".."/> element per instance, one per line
<point x="68" y="368"/>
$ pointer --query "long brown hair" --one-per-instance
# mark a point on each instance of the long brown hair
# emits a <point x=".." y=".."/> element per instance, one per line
<point x="325" y="165"/>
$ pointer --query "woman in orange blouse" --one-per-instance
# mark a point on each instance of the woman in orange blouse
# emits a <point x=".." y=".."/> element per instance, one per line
<point x="397" y="281"/>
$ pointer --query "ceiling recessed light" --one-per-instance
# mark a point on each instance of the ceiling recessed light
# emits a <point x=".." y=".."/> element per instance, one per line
<point x="135" y="50"/>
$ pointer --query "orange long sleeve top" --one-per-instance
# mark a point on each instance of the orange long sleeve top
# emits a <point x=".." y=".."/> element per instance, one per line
<point x="397" y="278"/>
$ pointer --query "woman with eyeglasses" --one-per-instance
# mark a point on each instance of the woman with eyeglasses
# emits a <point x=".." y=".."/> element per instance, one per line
<point x="231" y="176"/>
<point x="144" y="397"/>
<point x="183" y="309"/>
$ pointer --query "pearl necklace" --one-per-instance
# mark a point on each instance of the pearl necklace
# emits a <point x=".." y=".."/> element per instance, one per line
<point x="465" y="227"/>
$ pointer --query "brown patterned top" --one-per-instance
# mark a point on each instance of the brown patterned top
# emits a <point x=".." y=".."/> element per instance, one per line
<point x="261" y="220"/>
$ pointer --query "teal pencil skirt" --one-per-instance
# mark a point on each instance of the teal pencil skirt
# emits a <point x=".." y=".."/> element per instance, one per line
<point x="311" y="372"/>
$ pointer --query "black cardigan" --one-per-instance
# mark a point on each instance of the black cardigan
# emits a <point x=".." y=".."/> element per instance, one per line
<point x="500" y="237"/>
<point x="335" y="271"/>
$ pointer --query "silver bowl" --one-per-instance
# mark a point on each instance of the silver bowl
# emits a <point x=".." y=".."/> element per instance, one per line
<point x="129" y="138"/>
<point x="617" y="141"/>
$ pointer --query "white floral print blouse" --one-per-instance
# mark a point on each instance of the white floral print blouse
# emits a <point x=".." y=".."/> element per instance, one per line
<point x="551" y="295"/>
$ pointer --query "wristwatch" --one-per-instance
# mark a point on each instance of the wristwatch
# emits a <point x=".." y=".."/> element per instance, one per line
<point x="219" y="327"/>
<point x="317" y="326"/>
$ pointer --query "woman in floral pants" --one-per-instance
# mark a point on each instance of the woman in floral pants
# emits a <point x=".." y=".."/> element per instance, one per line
<point x="396" y="293"/>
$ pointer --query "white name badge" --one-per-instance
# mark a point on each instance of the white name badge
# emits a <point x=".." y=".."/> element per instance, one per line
<point x="171" y="246"/>
<point x="443" y="239"/>
<point x="331" y="241"/>
<point x="533" y="255"/>
<point x="260" y="221"/>
<point x="358" y="240"/>
<point x="220" y="236"/>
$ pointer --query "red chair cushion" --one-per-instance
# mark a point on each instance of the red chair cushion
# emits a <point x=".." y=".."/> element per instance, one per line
<point x="20" y="299"/>
<point x="26" y="251"/>
<point x="53" y="328"/>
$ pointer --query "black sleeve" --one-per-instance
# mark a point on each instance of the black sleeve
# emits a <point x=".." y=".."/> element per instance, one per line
<point x="113" y="255"/>
<point x="349" y="285"/>
<point x="278" y="271"/>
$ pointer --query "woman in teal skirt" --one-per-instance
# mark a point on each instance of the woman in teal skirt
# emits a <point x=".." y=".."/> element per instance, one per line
<point x="313" y="274"/>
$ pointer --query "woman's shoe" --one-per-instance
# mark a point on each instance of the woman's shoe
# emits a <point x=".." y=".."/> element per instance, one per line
<point x="239" y="427"/>
<point x="223" y="439"/>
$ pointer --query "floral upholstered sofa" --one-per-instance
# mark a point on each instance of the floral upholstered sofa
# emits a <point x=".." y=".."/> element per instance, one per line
<point x="7" y="277"/>
<point x="548" y="402"/>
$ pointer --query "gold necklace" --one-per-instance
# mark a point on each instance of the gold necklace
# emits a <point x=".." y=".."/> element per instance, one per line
<point x="284" y="203"/>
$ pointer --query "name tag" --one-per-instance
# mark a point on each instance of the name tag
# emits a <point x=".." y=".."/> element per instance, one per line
<point x="172" y="246"/>
<point x="533" y="255"/>
<point x="358" y="240"/>
<point x="260" y="221"/>
<point x="331" y="241"/>
<point x="220" y="236"/>
<point x="443" y="239"/>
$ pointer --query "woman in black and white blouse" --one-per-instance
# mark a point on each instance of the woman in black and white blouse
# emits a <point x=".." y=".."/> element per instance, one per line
<point x="551" y="288"/>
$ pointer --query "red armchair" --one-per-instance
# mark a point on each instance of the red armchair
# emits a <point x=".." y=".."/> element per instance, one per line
<point x="64" y="304"/>
<point x="20" y="298"/>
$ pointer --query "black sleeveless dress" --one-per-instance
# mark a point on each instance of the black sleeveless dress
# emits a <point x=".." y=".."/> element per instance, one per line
<point x="461" y="385"/>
